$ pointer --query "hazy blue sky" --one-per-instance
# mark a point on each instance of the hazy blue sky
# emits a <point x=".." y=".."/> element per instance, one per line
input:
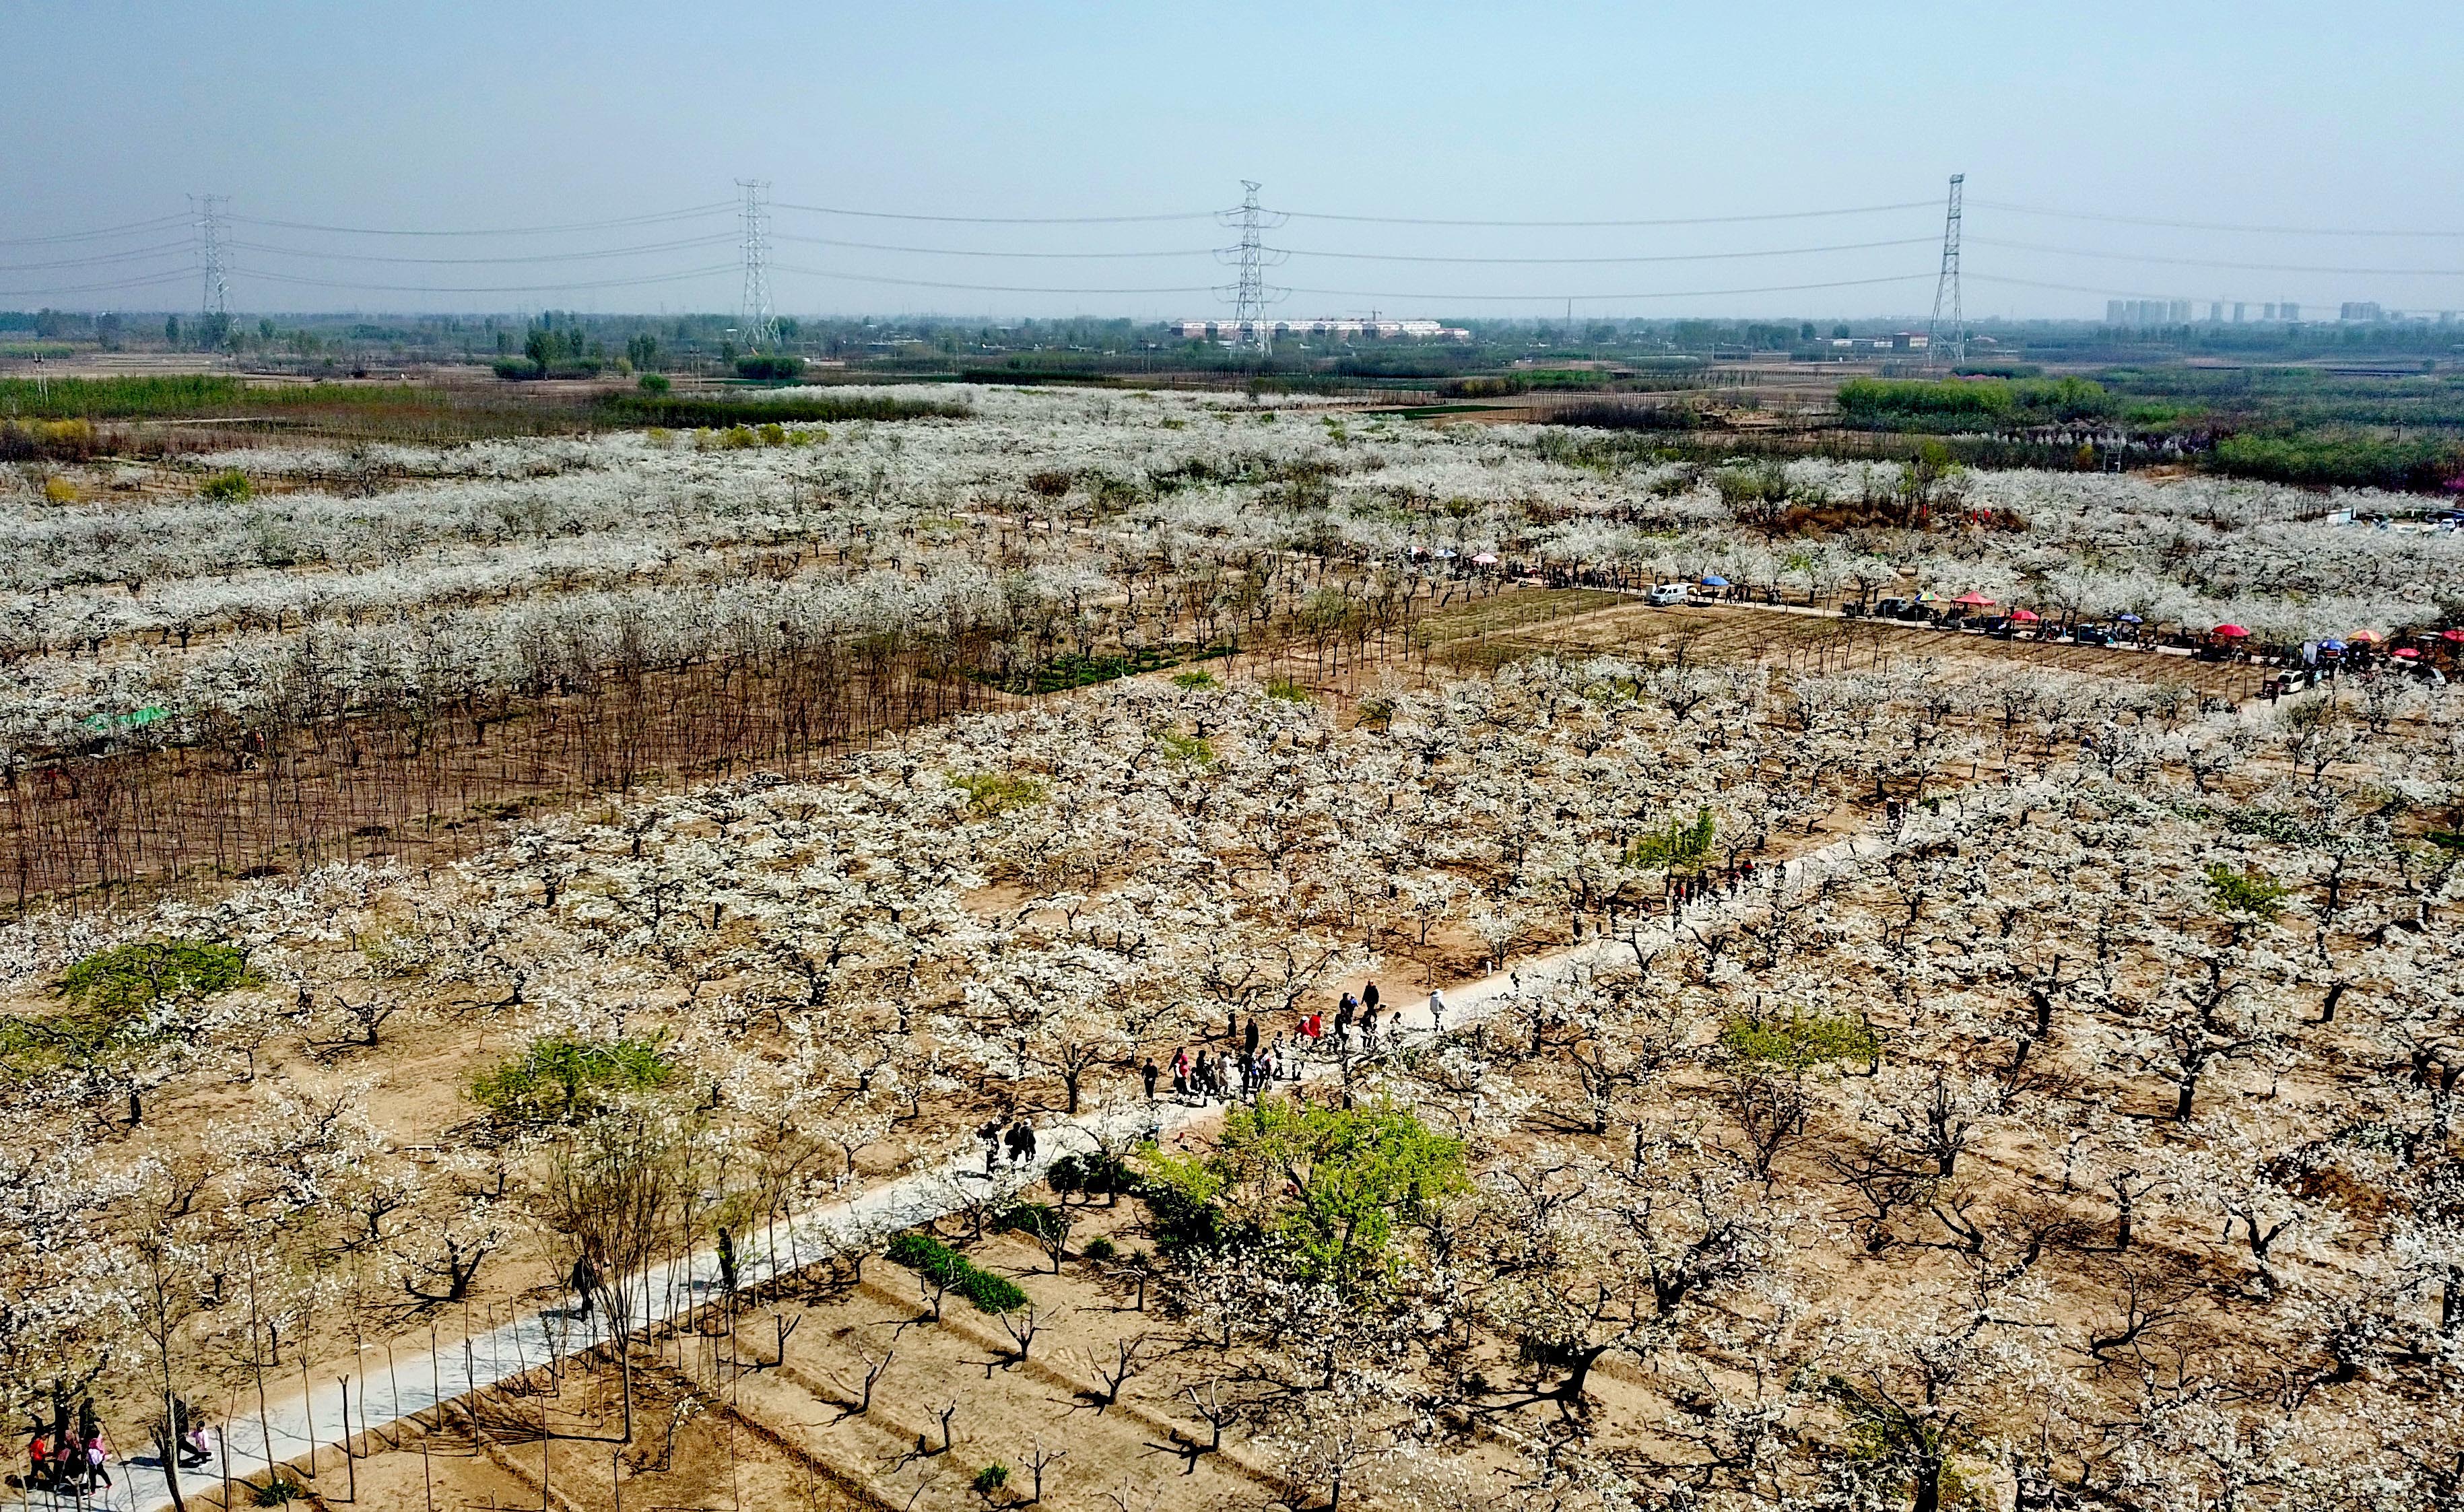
<point x="454" y="116"/>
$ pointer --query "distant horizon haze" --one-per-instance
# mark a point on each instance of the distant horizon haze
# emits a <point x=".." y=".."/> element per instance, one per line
<point x="2269" y="138"/>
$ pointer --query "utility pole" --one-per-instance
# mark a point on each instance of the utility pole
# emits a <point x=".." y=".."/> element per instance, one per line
<point x="1249" y="295"/>
<point x="208" y="208"/>
<point x="759" y="321"/>
<point x="1945" y="291"/>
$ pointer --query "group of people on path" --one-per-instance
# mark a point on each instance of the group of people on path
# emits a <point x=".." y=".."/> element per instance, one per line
<point x="1704" y="887"/>
<point x="73" y="1459"/>
<point x="1017" y="1140"/>
<point x="1247" y="1067"/>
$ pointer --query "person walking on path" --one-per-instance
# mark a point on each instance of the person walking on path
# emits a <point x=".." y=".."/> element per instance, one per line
<point x="1369" y="996"/>
<point x="584" y="1281"/>
<point x="95" y="1458"/>
<point x="1148" y="1074"/>
<point x="1020" y="1140"/>
<point x="1249" y="1038"/>
<point x="1438" y="1009"/>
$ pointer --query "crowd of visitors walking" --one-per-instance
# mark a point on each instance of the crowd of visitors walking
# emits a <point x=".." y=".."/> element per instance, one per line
<point x="1248" y="1064"/>
<point x="68" y="1455"/>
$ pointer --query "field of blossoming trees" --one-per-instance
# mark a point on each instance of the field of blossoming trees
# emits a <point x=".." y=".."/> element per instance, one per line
<point x="468" y="887"/>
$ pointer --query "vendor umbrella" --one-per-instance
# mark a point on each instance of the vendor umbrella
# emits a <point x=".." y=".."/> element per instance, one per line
<point x="2406" y="652"/>
<point x="2231" y="632"/>
<point x="2024" y="617"/>
<point x="2367" y="637"/>
<point x="1712" y="580"/>
<point x="1487" y="558"/>
<point x="2331" y="646"/>
<point x="2129" y="619"/>
<point x="2450" y="635"/>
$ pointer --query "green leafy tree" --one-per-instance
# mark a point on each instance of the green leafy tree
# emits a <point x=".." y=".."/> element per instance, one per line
<point x="1326" y="1187"/>
<point x="2249" y="893"/>
<point x="124" y="1004"/>
<point x="146" y="976"/>
<point x="558" y="1079"/>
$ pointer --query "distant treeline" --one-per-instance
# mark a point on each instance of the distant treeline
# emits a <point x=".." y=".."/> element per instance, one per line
<point x="2324" y="460"/>
<point x="686" y="413"/>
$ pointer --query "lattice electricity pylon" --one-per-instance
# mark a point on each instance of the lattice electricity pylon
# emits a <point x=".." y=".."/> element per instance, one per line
<point x="758" y="322"/>
<point x="1251" y="296"/>
<point x="1954" y="336"/>
<point x="216" y="298"/>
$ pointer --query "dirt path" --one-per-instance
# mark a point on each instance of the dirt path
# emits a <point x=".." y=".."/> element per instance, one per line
<point x="293" y="1431"/>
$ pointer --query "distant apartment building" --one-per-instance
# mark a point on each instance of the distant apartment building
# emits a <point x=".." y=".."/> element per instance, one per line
<point x="2146" y="312"/>
<point x="2237" y="309"/>
<point x="2360" y="310"/>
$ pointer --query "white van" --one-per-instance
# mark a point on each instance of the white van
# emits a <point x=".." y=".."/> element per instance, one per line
<point x="1668" y="595"/>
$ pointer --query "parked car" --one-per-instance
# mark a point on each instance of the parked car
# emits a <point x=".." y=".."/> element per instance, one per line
<point x="1668" y="595"/>
<point x="2091" y="635"/>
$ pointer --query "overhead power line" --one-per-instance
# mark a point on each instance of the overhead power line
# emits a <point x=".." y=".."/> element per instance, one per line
<point x="178" y="275"/>
<point x="2106" y="292"/>
<point x="721" y="239"/>
<point x="1000" y="220"/>
<point x="691" y="213"/>
<point x="129" y="229"/>
<point x="1589" y="298"/>
<point x="184" y="249"/>
<point x="1724" y="256"/>
<point x="981" y="288"/>
<point x="2208" y="226"/>
<point x="2210" y="262"/>
<point x="1696" y="220"/>
<point x="961" y="251"/>
<point x="514" y="288"/>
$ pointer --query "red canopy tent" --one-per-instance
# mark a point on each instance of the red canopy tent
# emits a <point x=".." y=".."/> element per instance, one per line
<point x="2231" y="632"/>
<point x="1975" y="599"/>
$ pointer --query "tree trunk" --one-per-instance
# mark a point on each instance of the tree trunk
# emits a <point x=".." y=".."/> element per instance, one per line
<point x="167" y="1439"/>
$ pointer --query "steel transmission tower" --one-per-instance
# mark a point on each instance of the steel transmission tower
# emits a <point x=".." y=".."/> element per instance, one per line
<point x="759" y="322"/>
<point x="1253" y="258"/>
<point x="1954" y="334"/>
<point x="216" y="299"/>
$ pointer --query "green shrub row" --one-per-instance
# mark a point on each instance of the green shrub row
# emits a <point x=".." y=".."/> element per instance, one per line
<point x="117" y="398"/>
<point x="990" y="1293"/>
<point x="1989" y="401"/>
